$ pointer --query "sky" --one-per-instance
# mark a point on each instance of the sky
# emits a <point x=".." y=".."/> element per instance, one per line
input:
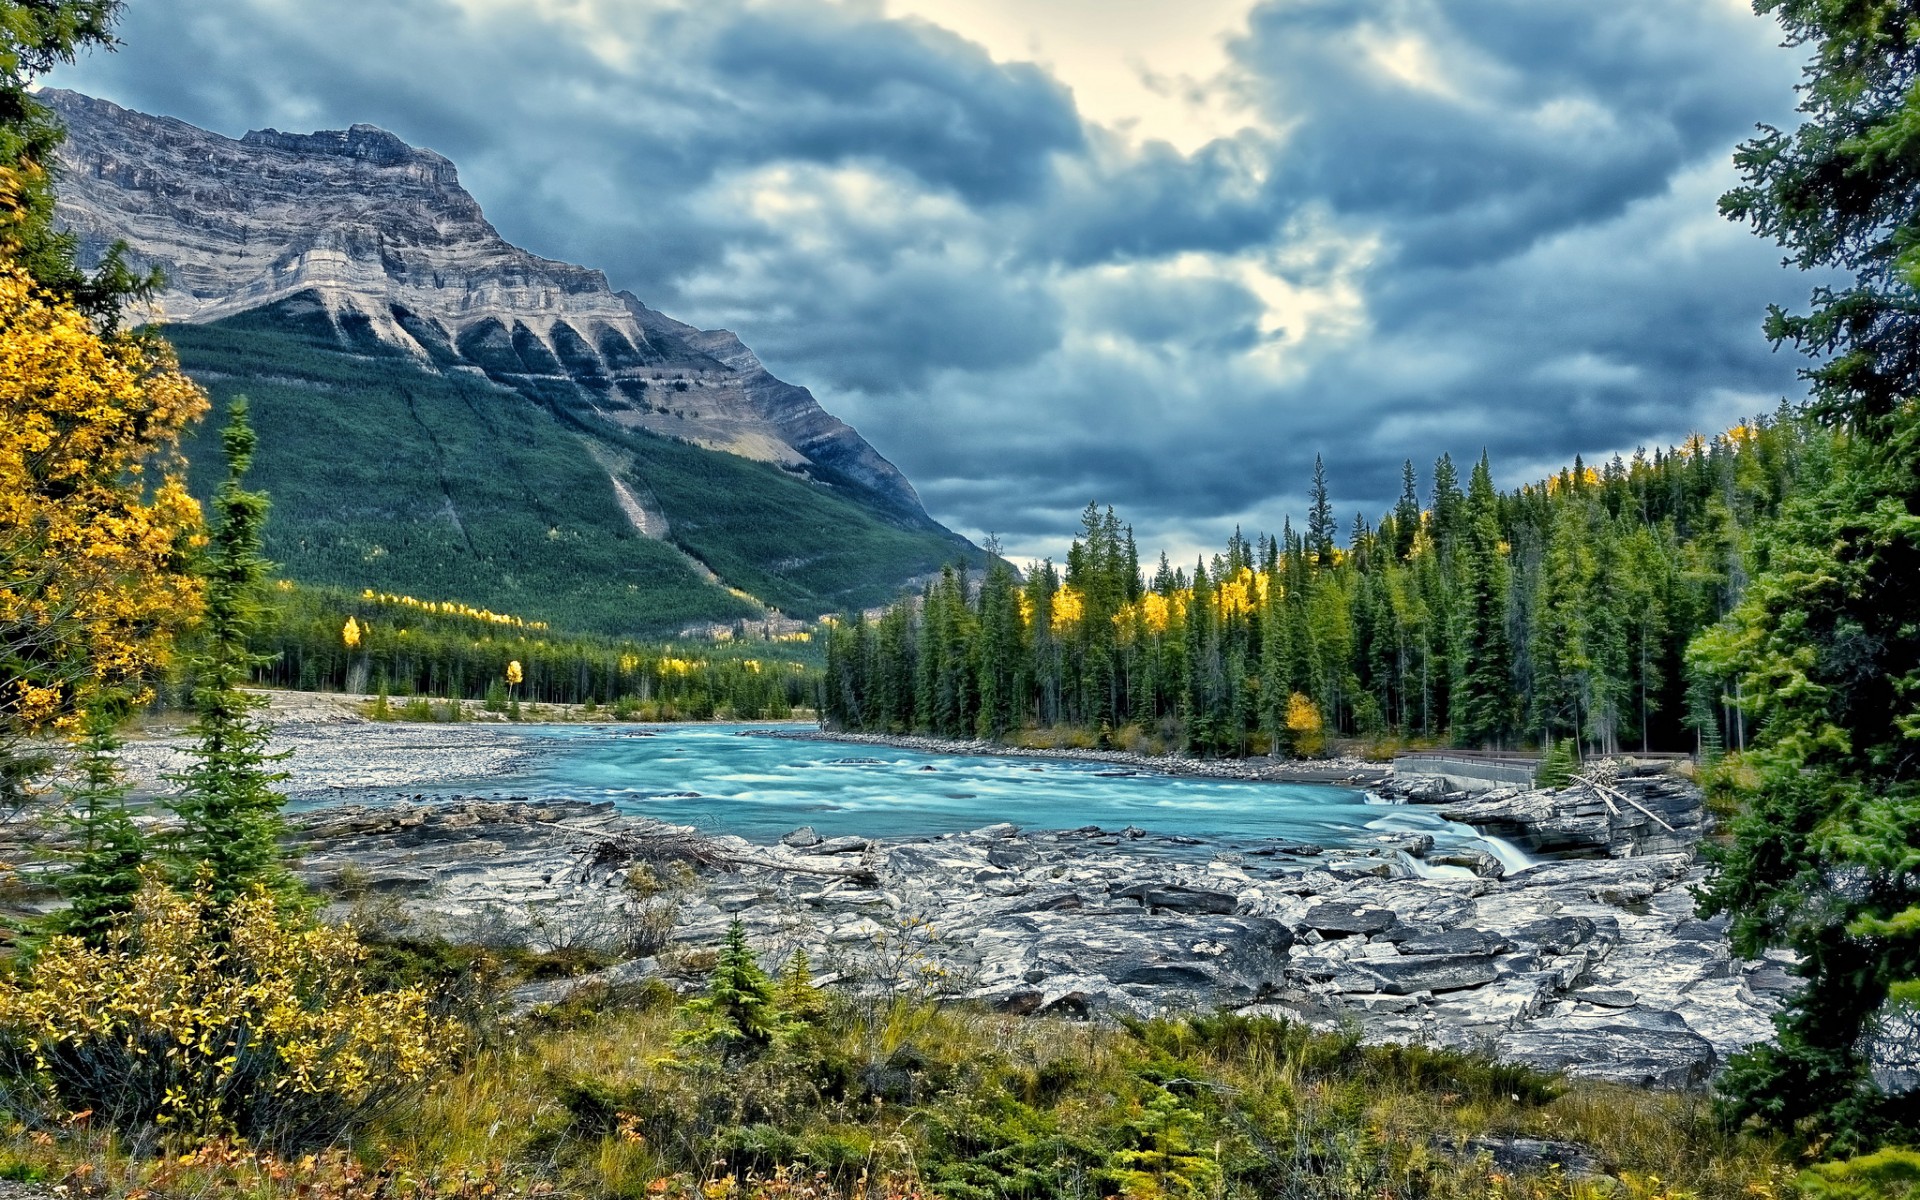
<point x="1153" y="254"/>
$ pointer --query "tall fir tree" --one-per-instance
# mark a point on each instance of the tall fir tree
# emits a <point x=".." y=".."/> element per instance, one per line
<point x="1321" y="526"/>
<point x="228" y="806"/>
<point x="1483" y="695"/>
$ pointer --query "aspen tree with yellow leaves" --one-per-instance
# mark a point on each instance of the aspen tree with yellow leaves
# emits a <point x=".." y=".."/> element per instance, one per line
<point x="97" y="529"/>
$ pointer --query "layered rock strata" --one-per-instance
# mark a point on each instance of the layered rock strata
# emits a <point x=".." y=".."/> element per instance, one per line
<point x="361" y="237"/>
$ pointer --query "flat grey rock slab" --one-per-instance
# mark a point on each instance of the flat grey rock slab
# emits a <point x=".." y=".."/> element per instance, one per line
<point x="1597" y="966"/>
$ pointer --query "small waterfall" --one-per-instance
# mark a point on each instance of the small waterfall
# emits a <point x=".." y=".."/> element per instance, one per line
<point x="1512" y="857"/>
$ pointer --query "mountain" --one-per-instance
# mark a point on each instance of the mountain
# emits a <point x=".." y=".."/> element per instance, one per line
<point x="438" y="405"/>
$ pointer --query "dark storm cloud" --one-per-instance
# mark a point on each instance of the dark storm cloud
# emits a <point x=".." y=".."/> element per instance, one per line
<point x="1475" y="126"/>
<point x="1459" y="224"/>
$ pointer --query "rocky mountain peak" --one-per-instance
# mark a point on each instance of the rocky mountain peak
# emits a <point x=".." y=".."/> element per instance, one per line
<point x="368" y="143"/>
<point x="364" y="238"/>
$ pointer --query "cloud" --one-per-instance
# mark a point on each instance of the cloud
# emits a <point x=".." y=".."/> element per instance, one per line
<point x="1395" y="227"/>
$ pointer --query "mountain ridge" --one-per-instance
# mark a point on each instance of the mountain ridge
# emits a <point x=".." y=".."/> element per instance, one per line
<point x="444" y="413"/>
<point x="395" y="250"/>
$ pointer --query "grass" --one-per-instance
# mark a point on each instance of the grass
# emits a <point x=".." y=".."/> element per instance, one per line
<point x="914" y="1098"/>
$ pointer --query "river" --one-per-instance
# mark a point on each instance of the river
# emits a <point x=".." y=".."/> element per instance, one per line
<point x="724" y="779"/>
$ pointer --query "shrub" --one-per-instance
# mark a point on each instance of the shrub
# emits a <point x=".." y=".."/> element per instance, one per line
<point x="196" y="1022"/>
<point x="1559" y="767"/>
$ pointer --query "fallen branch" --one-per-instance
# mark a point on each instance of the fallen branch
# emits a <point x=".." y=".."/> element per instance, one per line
<point x="864" y="875"/>
<point x="627" y="847"/>
<point x="1602" y="790"/>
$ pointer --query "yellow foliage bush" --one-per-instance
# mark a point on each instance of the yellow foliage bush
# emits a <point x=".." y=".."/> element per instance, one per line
<point x="197" y="1023"/>
<point x="93" y="571"/>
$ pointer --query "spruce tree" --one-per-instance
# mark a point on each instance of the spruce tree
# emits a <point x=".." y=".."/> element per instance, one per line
<point x="1826" y="856"/>
<point x="109" y="851"/>
<point x="1482" y="697"/>
<point x="740" y="1014"/>
<point x="228" y="808"/>
<point x="35" y="37"/>
<point x="1406" y="513"/>
<point x="1321" y="527"/>
<point x="1448" y="505"/>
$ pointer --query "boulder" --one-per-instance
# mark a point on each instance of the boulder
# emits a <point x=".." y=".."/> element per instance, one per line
<point x="1555" y="935"/>
<point x="1534" y="1156"/>
<point x="803" y="838"/>
<point x="1453" y="941"/>
<point x="842" y="845"/>
<point x="1344" y="918"/>
<point x="1174" y="898"/>
<point x="1638" y="1047"/>
<point x="1422" y="973"/>
<point x="1480" y="862"/>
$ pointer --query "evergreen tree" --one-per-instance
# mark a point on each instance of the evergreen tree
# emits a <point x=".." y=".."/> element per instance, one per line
<point x="740" y="1014"/>
<point x="1448" y="505"/>
<point x="1406" y="513"/>
<point x="1000" y="652"/>
<point x="36" y="36"/>
<point x="1483" y="696"/>
<point x="110" y="852"/>
<point x="1826" y="857"/>
<point x="229" y="811"/>
<point x="1321" y="528"/>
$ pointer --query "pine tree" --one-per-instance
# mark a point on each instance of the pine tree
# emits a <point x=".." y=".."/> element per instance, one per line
<point x="36" y="36"/>
<point x="1448" y="505"/>
<point x="228" y="809"/>
<point x="110" y="852"/>
<point x="1321" y="528"/>
<point x="795" y="997"/>
<point x="999" y="652"/>
<point x="1406" y="513"/>
<point x="1482" y="697"/>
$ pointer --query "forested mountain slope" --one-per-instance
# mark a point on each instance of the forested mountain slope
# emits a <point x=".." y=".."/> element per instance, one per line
<point x="387" y="475"/>
<point x="445" y="413"/>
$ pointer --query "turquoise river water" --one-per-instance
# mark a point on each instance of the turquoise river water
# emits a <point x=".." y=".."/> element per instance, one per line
<point x="724" y="779"/>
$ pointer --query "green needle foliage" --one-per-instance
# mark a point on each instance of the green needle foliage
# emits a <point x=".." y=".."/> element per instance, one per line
<point x="36" y="36"/>
<point x="229" y="811"/>
<point x="104" y="878"/>
<point x="1826" y="857"/>
<point x="739" y="1014"/>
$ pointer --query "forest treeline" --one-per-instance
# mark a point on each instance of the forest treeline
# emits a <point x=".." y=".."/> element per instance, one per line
<point x="329" y="639"/>
<point x="1561" y="610"/>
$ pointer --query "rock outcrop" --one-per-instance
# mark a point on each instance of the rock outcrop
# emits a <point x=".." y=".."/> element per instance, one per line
<point x="1598" y="965"/>
<point x="362" y="238"/>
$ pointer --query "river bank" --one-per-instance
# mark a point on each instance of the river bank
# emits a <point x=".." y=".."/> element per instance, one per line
<point x="334" y="748"/>
<point x="1335" y="772"/>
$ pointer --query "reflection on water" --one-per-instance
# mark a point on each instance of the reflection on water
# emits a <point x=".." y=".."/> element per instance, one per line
<point x="760" y="787"/>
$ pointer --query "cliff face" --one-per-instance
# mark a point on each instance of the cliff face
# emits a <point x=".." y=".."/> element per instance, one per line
<point x="357" y="231"/>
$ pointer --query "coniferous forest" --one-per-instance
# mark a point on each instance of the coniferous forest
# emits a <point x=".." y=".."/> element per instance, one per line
<point x="1559" y="611"/>
<point x="328" y="639"/>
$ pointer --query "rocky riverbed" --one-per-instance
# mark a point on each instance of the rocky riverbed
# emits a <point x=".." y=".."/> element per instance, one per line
<point x="1594" y="962"/>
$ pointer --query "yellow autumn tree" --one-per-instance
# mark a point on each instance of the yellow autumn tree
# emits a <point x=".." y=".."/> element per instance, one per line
<point x="96" y="525"/>
<point x="515" y="677"/>
<point x="1306" y="728"/>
